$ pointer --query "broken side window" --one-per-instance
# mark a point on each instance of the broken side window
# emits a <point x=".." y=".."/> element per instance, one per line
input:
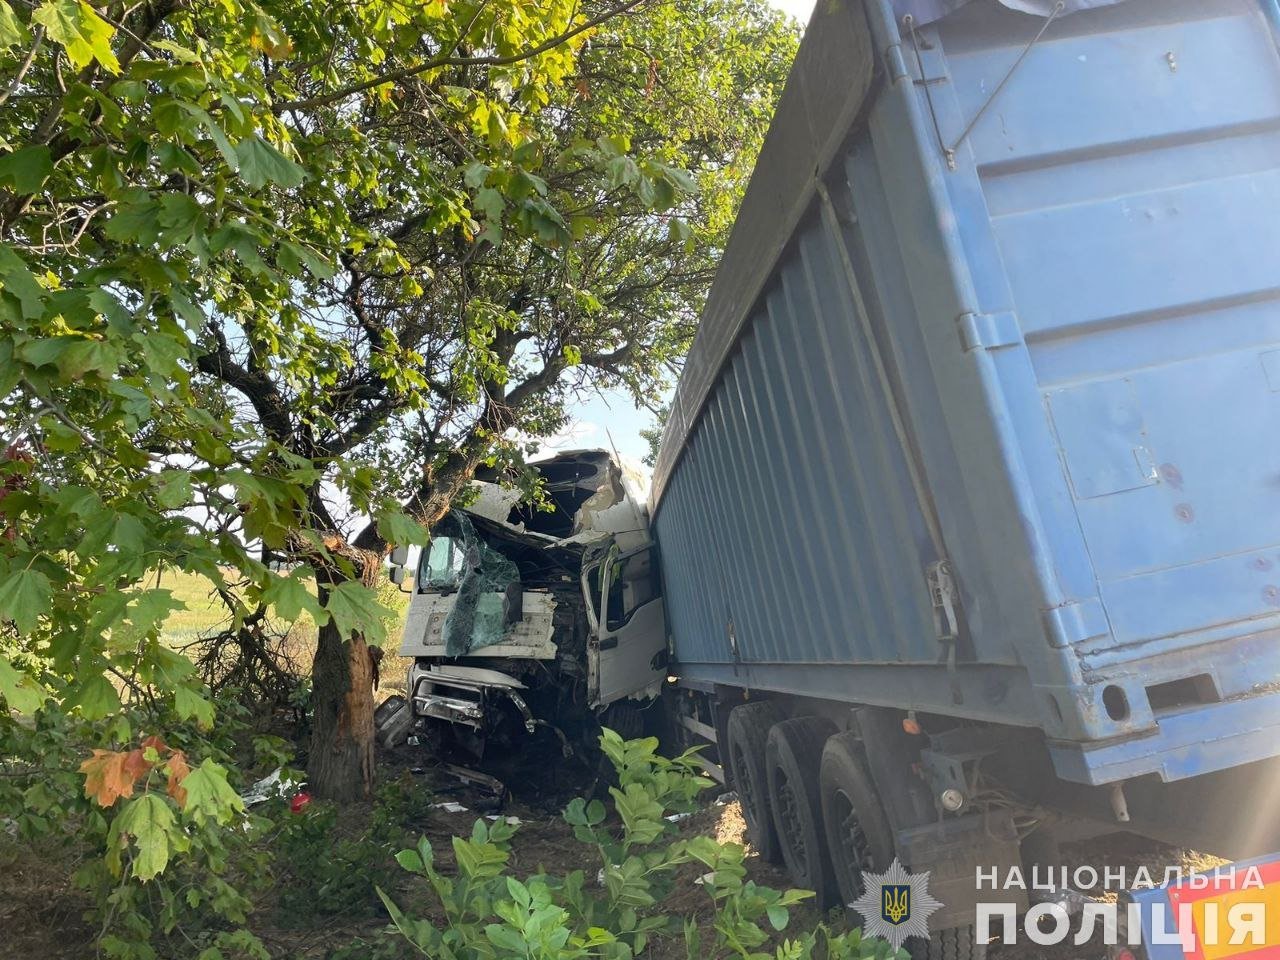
<point x="441" y="565"/>
<point x="633" y="582"/>
<point x="593" y="585"/>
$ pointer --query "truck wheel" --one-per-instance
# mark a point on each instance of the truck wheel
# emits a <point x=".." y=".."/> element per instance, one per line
<point x="954" y="943"/>
<point x="857" y="830"/>
<point x="745" y="737"/>
<point x="793" y="759"/>
<point x="624" y="718"/>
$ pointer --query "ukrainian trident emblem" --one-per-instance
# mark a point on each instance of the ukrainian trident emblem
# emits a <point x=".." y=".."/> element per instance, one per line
<point x="895" y="902"/>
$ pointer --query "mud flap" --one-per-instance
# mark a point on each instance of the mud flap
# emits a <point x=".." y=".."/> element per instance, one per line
<point x="953" y="851"/>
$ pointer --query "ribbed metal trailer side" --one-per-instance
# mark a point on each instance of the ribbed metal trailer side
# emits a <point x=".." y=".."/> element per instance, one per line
<point x="1021" y="328"/>
<point x="967" y="507"/>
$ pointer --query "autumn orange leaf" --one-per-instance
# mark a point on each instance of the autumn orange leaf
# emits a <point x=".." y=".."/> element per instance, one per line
<point x="178" y="769"/>
<point x="136" y="765"/>
<point x="106" y="777"/>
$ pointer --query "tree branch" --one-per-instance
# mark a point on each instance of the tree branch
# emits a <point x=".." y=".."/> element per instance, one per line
<point x="395" y="76"/>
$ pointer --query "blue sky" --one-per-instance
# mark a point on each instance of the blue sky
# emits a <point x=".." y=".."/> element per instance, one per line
<point x="612" y="416"/>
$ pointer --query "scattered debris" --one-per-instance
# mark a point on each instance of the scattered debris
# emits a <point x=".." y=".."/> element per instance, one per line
<point x="449" y="806"/>
<point x="270" y="787"/>
<point x="393" y="721"/>
<point x="492" y="785"/>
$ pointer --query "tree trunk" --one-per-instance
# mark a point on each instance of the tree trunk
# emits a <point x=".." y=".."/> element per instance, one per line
<point x="342" y="736"/>
<point x="340" y="766"/>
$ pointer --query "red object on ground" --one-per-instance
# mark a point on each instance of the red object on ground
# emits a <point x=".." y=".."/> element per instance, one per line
<point x="298" y="802"/>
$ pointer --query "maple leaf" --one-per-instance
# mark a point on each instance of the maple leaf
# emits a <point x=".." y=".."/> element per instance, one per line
<point x="155" y="743"/>
<point x="136" y="765"/>
<point x="178" y="769"/>
<point x="106" y="778"/>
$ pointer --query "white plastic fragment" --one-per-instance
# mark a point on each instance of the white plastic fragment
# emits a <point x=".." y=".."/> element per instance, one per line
<point x="272" y="785"/>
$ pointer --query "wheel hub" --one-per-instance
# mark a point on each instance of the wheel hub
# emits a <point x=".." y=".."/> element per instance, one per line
<point x="789" y="814"/>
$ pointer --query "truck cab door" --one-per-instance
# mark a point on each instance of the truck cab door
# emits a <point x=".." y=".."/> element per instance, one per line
<point x="628" y="647"/>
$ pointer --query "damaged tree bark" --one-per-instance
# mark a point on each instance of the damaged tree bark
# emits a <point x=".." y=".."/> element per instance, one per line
<point x="341" y="762"/>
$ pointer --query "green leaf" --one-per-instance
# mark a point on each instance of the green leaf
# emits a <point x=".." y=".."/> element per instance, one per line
<point x="84" y="34"/>
<point x="148" y="609"/>
<point x="410" y="860"/>
<point x="96" y="698"/>
<point x="209" y="796"/>
<point x="190" y="705"/>
<point x="129" y="534"/>
<point x="355" y="609"/>
<point x="682" y="179"/>
<point x="491" y="203"/>
<point x="27" y="169"/>
<point x="215" y="131"/>
<point x="17" y="279"/>
<point x="507" y="939"/>
<point x="401" y="530"/>
<point x="173" y="489"/>
<point x="88" y="356"/>
<point x="291" y="595"/>
<point x="25" y="596"/>
<point x="137" y="219"/>
<point x="150" y="821"/>
<point x="261" y="163"/>
<point x="11" y="29"/>
<point x="19" y="691"/>
<point x="294" y="256"/>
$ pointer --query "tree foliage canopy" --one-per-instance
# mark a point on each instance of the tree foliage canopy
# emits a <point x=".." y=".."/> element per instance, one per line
<point x="276" y="277"/>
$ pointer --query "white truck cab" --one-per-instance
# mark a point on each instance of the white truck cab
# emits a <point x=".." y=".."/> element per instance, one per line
<point x="537" y="623"/>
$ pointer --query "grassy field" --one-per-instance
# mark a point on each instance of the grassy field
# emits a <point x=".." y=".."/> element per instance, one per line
<point x="204" y="615"/>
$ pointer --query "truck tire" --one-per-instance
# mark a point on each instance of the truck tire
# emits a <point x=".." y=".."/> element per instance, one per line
<point x="793" y="760"/>
<point x="746" y="735"/>
<point x="955" y="943"/>
<point x="857" y="830"/>
<point x="625" y="718"/>
<point x="859" y="838"/>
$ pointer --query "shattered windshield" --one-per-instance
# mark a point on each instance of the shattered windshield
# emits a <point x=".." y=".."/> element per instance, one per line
<point x="484" y="583"/>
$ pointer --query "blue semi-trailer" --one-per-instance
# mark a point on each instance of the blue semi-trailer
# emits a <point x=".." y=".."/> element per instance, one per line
<point x="969" y="502"/>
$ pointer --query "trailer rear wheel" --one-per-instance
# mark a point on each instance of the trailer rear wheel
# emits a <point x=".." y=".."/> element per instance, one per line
<point x="745" y="737"/>
<point x="857" y="830"/>
<point x="859" y="837"/>
<point x="793" y="759"/>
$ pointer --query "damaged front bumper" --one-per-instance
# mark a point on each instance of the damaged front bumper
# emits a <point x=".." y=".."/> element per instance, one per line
<point x="470" y="696"/>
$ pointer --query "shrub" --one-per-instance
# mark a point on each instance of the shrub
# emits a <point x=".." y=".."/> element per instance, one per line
<point x="488" y="913"/>
<point x="326" y="870"/>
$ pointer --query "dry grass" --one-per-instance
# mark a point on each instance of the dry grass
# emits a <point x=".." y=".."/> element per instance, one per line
<point x="204" y="614"/>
